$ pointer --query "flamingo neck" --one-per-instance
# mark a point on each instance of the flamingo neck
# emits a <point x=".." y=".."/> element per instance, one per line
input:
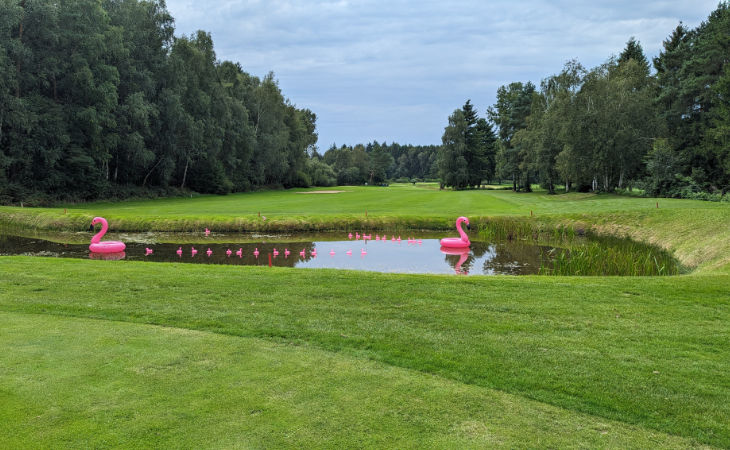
<point x="97" y="237"/>
<point x="462" y="234"/>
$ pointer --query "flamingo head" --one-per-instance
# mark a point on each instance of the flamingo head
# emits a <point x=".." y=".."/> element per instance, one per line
<point x="96" y="220"/>
<point x="465" y="220"/>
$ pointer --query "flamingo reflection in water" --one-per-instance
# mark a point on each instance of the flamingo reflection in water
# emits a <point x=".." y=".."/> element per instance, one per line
<point x="114" y="256"/>
<point x="463" y="254"/>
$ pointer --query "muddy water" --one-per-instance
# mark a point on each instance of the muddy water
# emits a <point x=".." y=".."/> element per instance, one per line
<point x="422" y="255"/>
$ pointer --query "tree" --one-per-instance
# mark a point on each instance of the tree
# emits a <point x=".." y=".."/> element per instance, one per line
<point x="453" y="166"/>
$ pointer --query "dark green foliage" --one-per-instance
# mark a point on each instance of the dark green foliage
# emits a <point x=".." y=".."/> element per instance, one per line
<point x="376" y="163"/>
<point x="468" y="154"/>
<point x="98" y="98"/>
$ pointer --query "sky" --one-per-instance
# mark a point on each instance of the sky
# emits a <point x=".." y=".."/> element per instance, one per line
<point x="394" y="70"/>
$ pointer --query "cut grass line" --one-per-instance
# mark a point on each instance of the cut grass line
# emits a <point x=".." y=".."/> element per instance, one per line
<point x="150" y="385"/>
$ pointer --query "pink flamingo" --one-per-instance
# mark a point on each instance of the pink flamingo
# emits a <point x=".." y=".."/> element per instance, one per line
<point x="207" y="232"/>
<point x="332" y="253"/>
<point x="147" y="251"/>
<point x="363" y="252"/>
<point x="349" y="236"/>
<point x="377" y="238"/>
<point x="463" y="240"/>
<point x="385" y="237"/>
<point x="398" y="239"/>
<point x="348" y="253"/>
<point x="314" y="253"/>
<point x="392" y="239"/>
<point x="97" y="246"/>
<point x="303" y="253"/>
<point x="179" y="251"/>
<point x="366" y="237"/>
<point x="420" y="242"/>
<point x="228" y="252"/>
<point x="357" y="235"/>
<point x="286" y="253"/>
<point x="193" y="252"/>
<point x="209" y="252"/>
<point x="276" y="252"/>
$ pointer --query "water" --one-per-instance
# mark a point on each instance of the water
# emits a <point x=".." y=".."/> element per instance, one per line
<point x="482" y="258"/>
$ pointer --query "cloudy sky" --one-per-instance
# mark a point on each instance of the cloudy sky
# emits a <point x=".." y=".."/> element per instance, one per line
<point x="393" y="70"/>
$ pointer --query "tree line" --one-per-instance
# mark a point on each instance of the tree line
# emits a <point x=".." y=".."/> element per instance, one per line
<point x="612" y="127"/>
<point x="99" y="99"/>
<point x="376" y="163"/>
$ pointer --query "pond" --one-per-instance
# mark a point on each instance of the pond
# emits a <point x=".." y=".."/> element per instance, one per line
<point x="417" y="255"/>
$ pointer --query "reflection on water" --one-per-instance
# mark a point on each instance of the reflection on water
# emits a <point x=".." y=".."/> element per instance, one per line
<point x="513" y="258"/>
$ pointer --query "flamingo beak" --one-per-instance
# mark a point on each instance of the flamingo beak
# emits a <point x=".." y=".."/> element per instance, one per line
<point x="468" y="227"/>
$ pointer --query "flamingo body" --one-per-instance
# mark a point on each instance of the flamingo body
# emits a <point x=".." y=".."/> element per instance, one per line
<point x="99" y="246"/>
<point x="462" y="241"/>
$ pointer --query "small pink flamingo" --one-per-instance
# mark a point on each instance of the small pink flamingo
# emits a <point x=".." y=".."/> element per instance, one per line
<point x="349" y="236"/>
<point x="228" y="252"/>
<point x="366" y="236"/>
<point x="193" y="252"/>
<point x="314" y="253"/>
<point x="348" y="253"/>
<point x="209" y="252"/>
<point x="332" y="253"/>
<point x="179" y="251"/>
<point x="255" y="252"/>
<point x="239" y="252"/>
<point x="377" y="238"/>
<point x="385" y="237"/>
<point x="286" y="253"/>
<point x="420" y="242"/>
<point x="357" y="235"/>
<point x="363" y="252"/>
<point x="303" y="253"/>
<point x="392" y="239"/>
<point x="147" y="251"/>
<point x="276" y="252"/>
<point x="398" y="239"/>
<point x="207" y="232"/>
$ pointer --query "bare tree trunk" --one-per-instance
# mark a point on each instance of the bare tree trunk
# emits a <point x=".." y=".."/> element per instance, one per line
<point x="185" y="173"/>
<point x="150" y="172"/>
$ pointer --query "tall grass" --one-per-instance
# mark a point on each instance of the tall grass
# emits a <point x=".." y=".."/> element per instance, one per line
<point x="579" y="252"/>
<point x="619" y="257"/>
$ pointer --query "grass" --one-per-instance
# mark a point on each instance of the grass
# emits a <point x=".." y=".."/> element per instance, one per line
<point x="95" y="353"/>
<point x="152" y="386"/>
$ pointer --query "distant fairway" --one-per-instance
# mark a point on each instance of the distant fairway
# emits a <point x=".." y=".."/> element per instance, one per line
<point x="96" y="353"/>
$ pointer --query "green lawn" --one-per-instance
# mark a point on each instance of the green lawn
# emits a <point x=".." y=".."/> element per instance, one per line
<point x="97" y="353"/>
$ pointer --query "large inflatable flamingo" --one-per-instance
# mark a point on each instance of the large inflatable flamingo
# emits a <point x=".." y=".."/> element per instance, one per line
<point x="99" y="246"/>
<point x="463" y="240"/>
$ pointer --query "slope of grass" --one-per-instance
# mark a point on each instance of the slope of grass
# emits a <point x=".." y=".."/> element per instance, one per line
<point x="150" y="386"/>
<point x="646" y="351"/>
<point x="397" y="206"/>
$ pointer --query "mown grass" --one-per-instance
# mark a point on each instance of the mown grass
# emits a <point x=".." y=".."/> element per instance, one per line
<point x="396" y="360"/>
<point x="151" y="386"/>
<point x="646" y="351"/>
<point x="394" y="207"/>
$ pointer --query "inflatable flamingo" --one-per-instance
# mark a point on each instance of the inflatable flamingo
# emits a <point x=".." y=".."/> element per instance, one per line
<point x="228" y="252"/>
<point x="209" y="252"/>
<point x="179" y="251"/>
<point x="460" y="242"/>
<point x="99" y="246"/>
<point x="193" y="251"/>
<point x="286" y="252"/>
<point x="147" y="251"/>
<point x="303" y="253"/>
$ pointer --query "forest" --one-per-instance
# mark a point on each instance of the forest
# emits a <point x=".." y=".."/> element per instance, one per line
<point x="614" y="127"/>
<point x="100" y="100"/>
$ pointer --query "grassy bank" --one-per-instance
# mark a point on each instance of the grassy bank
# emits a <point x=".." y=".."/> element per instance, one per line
<point x="184" y="355"/>
<point x="646" y="351"/>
